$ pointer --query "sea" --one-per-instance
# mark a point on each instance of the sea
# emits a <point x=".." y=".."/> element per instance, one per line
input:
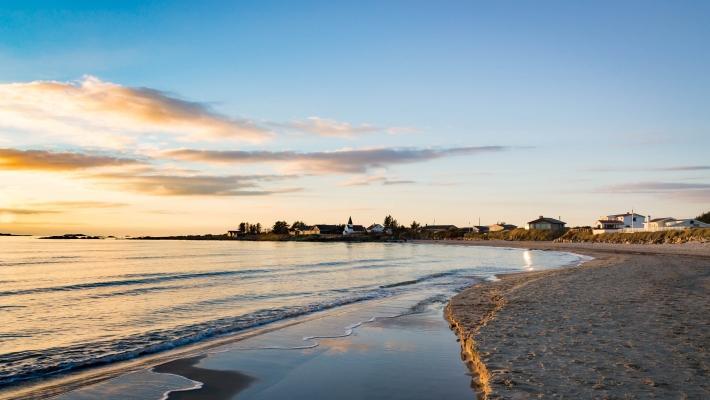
<point x="69" y="305"/>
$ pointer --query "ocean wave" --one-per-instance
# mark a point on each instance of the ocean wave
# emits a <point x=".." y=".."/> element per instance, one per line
<point x="126" y="282"/>
<point x="421" y="279"/>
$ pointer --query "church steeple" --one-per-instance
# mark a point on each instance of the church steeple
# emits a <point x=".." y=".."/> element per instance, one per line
<point x="350" y="220"/>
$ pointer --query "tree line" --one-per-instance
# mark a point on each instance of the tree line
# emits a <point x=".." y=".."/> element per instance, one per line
<point x="283" y="227"/>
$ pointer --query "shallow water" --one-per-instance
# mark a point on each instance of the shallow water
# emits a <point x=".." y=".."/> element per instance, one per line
<point x="70" y="304"/>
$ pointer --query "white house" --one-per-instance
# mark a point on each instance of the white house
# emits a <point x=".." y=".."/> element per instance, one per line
<point x="630" y="220"/>
<point x="376" y="228"/>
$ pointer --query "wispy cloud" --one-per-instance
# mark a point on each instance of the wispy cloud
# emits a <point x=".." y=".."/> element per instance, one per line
<point x="13" y="159"/>
<point x="681" y="168"/>
<point x="26" y="211"/>
<point x="194" y="185"/>
<point x="376" y="180"/>
<point x="341" y="161"/>
<point x="654" y="187"/>
<point x="103" y="113"/>
<point x="72" y="205"/>
<point x="329" y="127"/>
<point x="696" y="192"/>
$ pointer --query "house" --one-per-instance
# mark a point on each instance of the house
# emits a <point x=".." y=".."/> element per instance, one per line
<point x="674" y="223"/>
<point x="375" y="228"/>
<point x="438" y="228"/>
<point x="608" y="224"/>
<point x="689" y="223"/>
<point x="630" y="220"/>
<point x="351" y="229"/>
<point x="501" y="226"/>
<point x="234" y="234"/>
<point x="546" y="224"/>
<point x="658" y="223"/>
<point x="325" y="229"/>
<point x="306" y="230"/>
<point x="481" y="229"/>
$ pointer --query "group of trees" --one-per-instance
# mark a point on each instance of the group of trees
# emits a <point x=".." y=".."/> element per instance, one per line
<point x="252" y="229"/>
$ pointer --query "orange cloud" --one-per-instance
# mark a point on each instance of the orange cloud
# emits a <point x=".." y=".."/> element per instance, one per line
<point x="195" y="185"/>
<point x="90" y="107"/>
<point x="12" y="159"/>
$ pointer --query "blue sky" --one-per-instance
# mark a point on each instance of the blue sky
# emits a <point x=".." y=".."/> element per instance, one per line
<point x="600" y="106"/>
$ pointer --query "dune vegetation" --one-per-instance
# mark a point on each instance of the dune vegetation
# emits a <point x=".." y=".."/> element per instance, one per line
<point x="675" y="236"/>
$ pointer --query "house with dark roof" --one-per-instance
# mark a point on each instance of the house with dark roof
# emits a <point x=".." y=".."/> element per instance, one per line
<point x="438" y="228"/>
<point x="326" y="229"/>
<point x="501" y="226"/>
<point x="546" y="224"/>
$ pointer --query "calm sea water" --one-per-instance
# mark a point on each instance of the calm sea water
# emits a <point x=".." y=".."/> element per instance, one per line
<point x="73" y="304"/>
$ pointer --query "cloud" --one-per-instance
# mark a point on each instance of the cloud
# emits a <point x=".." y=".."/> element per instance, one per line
<point x="381" y="180"/>
<point x="681" y="168"/>
<point x="26" y="211"/>
<point x="329" y="127"/>
<point x="92" y="111"/>
<point x="12" y="159"/>
<point x="341" y="161"/>
<point x="68" y="205"/>
<point x="195" y="185"/>
<point x="695" y="192"/>
<point x="655" y="187"/>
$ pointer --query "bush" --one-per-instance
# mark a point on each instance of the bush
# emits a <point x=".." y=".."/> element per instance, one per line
<point x="518" y="234"/>
<point x="676" y="236"/>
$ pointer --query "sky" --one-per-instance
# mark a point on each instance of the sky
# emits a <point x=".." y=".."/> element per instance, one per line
<point x="175" y="117"/>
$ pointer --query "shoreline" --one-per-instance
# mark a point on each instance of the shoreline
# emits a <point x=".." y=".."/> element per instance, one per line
<point x="608" y="328"/>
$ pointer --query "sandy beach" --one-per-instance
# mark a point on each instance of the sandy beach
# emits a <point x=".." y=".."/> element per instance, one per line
<point x="633" y="323"/>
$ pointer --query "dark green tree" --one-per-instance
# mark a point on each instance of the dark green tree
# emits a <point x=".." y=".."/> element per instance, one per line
<point x="298" y="225"/>
<point x="280" y="227"/>
<point x="258" y="228"/>
<point x="390" y="223"/>
<point x="704" y="217"/>
<point x="415" y="225"/>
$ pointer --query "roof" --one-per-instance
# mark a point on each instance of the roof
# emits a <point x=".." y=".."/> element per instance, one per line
<point x="624" y="214"/>
<point x="661" y="219"/>
<point x="548" y="220"/>
<point x="611" y="221"/>
<point x="441" y="227"/>
<point x="504" y="225"/>
<point x="325" y="228"/>
<point x="358" y="228"/>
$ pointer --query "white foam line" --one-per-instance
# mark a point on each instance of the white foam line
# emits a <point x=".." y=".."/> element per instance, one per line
<point x="349" y="330"/>
<point x="195" y="385"/>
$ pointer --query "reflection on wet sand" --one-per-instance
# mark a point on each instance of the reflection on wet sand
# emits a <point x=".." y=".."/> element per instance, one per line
<point x="215" y="385"/>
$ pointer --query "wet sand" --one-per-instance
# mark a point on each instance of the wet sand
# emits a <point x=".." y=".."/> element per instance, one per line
<point x="216" y="385"/>
<point x="395" y="348"/>
<point x="632" y="324"/>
